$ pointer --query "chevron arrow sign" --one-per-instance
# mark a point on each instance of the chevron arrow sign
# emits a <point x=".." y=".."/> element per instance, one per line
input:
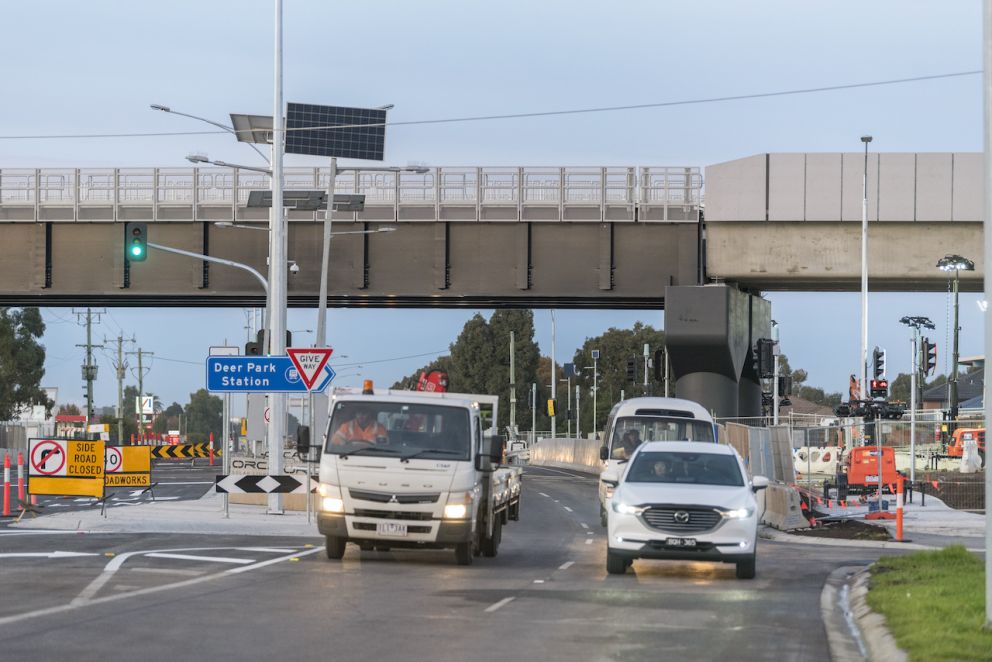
<point x="182" y="451"/>
<point x="242" y="484"/>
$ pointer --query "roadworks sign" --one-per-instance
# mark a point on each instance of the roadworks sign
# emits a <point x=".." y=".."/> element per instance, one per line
<point x="128" y="466"/>
<point x="66" y="467"/>
<point x="182" y="451"/>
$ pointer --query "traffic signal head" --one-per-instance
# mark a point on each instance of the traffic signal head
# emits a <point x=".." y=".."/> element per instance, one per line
<point x="659" y="364"/>
<point x="136" y="241"/>
<point x="878" y="362"/>
<point x="928" y="351"/>
<point x="766" y="358"/>
<point x="879" y="388"/>
<point x="631" y="370"/>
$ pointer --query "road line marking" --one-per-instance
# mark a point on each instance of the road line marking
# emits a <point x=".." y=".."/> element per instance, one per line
<point x="557" y="501"/>
<point x="544" y="495"/>
<point x="538" y="581"/>
<point x="278" y="559"/>
<point x="191" y="557"/>
<point x="583" y="525"/>
<point x="588" y="541"/>
<point x="566" y="565"/>
<point x="169" y="482"/>
<point x="170" y="571"/>
<point x="274" y="550"/>
<point x="568" y="509"/>
<point x="493" y="607"/>
<point x="589" y="533"/>
<point x="125" y="587"/>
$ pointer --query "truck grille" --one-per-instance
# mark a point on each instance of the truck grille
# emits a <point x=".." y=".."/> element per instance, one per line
<point x="392" y="514"/>
<point x="671" y="518"/>
<point x="365" y="526"/>
<point x="389" y="497"/>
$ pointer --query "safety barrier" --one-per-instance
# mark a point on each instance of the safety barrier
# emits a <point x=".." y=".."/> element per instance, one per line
<point x="565" y="453"/>
<point x="7" y="497"/>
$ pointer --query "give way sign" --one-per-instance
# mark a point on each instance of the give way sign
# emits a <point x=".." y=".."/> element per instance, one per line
<point x="309" y="362"/>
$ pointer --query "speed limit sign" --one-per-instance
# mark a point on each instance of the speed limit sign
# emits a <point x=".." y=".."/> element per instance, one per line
<point x="114" y="460"/>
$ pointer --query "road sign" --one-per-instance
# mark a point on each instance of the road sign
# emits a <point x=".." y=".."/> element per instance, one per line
<point x="243" y="484"/>
<point x="128" y="466"/>
<point x="309" y="362"/>
<point x="66" y="467"/>
<point x="260" y="374"/>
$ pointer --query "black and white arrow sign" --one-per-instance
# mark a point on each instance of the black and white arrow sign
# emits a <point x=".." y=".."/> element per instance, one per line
<point x="241" y="484"/>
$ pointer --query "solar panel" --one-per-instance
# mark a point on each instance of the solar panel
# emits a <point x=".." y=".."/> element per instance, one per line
<point x="364" y="137"/>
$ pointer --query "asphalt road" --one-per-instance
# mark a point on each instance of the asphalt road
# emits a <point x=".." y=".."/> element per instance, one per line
<point x="546" y="595"/>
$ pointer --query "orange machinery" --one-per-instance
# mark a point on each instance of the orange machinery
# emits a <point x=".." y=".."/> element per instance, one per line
<point x="956" y="446"/>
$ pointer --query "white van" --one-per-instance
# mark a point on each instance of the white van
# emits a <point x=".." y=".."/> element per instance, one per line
<point x="635" y="421"/>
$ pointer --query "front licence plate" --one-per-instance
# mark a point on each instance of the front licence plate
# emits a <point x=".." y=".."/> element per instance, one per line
<point x="680" y="542"/>
<point x="390" y="529"/>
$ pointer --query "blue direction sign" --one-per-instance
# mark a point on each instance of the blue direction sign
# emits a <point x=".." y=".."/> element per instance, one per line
<point x="259" y="374"/>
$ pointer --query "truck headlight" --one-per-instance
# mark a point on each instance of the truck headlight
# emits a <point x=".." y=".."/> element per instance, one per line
<point x="330" y="500"/>
<point x="740" y="513"/>
<point x="458" y="505"/>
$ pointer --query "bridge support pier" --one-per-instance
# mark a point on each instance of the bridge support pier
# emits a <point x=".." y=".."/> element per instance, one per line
<point x="710" y="331"/>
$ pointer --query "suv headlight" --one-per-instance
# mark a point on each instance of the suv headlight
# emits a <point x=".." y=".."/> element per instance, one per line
<point x="740" y="513"/>
<point x="330" y="498"/>
<point x="624" y="509"/>
<point x="458" y="505"/>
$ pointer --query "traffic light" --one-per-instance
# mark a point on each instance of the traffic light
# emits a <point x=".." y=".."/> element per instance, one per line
<point x="631" y="370"/>
<point x="136" y="241"/>
<point x="785" y="384"/>
<point x="878" y="361"/>
<point x="659" y="365"/>
<point x="766" y="358"/>
<point x="928" y="351"/>
<point x="879" y="388"/>
<point x="551" y="407"/>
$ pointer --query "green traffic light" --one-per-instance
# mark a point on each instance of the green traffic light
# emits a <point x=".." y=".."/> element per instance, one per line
<point x="136" y="250"/>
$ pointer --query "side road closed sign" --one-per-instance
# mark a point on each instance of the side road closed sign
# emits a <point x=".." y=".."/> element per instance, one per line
<point x="66" y="467"/>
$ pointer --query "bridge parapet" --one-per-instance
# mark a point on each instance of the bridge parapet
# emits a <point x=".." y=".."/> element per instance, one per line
<point x="514" y="194"/>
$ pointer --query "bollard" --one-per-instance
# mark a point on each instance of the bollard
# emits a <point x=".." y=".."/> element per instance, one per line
<point x="210" y="449"/>
<point x="6" y="485"/>
<point x="20" y="475"/>
<point x="899" y="503"/>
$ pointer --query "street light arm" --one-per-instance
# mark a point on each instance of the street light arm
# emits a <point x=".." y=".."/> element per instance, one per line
<point x="218" y="260"/>
<point x="229" y="129"/>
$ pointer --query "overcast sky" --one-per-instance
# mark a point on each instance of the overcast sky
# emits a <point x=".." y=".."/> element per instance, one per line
<point x="74" y="67"/>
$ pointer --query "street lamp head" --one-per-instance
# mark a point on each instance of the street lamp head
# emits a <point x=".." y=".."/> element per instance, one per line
<point x="955" y="263"/>
<point x="388" y="106"/>
<point x="418" y="170"/>
<point x="866" y="139"/>
<point x="388" y="228"/>
<point x="158" y="106"/>
<point x="198" y="158"/>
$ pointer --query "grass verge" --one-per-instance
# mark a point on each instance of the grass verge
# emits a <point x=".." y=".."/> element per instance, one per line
<point x="934" y="604"/>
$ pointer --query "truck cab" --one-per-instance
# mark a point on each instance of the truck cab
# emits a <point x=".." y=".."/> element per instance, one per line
<point x="404" y="469"/>
<point x="638" y="420"/>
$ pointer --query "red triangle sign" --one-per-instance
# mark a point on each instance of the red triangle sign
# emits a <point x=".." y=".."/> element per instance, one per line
<point x="309" y="362"/>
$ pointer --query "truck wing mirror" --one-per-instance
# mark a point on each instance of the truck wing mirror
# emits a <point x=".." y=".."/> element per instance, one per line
<point x="303" y="440"/>
<point x="483" y="463"/>
<point x="604" y="453"/>
<point x="497" y="445"/>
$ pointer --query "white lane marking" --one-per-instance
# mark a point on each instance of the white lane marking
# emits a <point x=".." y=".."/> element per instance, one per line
<point x="53" y="532"/>
<point x="565" y="473"/>
<point x="544" y="495"/>
<point x="583" y="525"/>
<point x="589" y="533"/>
<point x="47" y="555"/>
<point x="557" y="501"/>
<point x="493" y="607"/>
<point x="273" y="550"/>
<point x="198" y="482"/>
<point x="125" y="587"/>
<point x="588" y="541"/>
<point x="538" y="581"/>
<point x="170" y="571"/>
<point x="192" y="557"/>
<point x="566" y="565"/>
<point x="568" y="509"/>
<point x="145" y="591"/>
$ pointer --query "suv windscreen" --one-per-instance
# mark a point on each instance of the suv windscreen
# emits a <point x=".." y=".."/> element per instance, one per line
<point x="690" y="468"/>
<point x="399" y="429"/>
<point x="629" y="432"/>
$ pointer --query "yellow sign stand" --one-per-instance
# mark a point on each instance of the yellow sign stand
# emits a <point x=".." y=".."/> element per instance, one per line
<point x="66" y="467"/>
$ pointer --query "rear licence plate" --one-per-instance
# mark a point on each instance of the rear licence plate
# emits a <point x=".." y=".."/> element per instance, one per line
<point x="680" y="542"/>
<point x="390" y="529"/>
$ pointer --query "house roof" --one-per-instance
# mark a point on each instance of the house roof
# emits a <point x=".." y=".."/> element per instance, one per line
<point x="970" y="386"/>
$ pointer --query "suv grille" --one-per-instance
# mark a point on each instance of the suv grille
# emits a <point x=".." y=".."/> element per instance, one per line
<point x="664" y="518"/>
<point x="386" y="497"/>
<point x="392" y="514"/>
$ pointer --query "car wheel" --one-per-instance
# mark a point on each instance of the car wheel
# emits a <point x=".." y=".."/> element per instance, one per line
<point x="463" y="553"/>
<point x="745" y="568"/>
<point x="616" y="565"/>
<point x="490" y="546"/>
<point x="334" y="547"/>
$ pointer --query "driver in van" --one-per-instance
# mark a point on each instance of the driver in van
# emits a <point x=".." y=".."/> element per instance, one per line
<point x="628" y="443"/>
<point x="363" y="427"/>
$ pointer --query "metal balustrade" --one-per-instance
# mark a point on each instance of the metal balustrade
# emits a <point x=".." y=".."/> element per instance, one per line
<point x="618" y="193"/>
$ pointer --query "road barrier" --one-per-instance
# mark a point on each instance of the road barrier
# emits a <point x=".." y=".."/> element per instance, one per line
<point x="565" y="453"/>
<point x="182" y="451"/>
<point x="6" y="485"/>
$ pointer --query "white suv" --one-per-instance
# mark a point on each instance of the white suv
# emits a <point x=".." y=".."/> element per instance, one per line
<point x="684" y="501"/>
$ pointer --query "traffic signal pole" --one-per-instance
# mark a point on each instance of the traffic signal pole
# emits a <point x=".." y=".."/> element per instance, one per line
<point x="912" y="405"/>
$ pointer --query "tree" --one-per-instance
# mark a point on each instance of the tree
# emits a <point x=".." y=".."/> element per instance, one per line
<point x="526" y="354"/>
<point x="204" y="415"/>
<point x="472" y="357"/>
<point x="70" y="410"/>
<point x="22" y="362"/>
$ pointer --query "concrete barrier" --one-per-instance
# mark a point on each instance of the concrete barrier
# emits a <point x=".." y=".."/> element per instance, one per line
<point x="565" y="453"/>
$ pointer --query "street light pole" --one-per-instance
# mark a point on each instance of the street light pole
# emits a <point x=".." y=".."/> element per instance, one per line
<point x="987" y="265"/>
<point x="277" y="268"/>
<point x="954" y="263"/>
<point x="864" y="277"/>
<point x="554" y="377"/>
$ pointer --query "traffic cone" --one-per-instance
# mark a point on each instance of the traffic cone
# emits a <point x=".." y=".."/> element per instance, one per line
<point x="6" y="485"/>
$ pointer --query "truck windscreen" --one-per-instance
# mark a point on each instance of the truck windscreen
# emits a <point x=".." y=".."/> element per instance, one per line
<point x="629" y="432"/>
<point x="399" y="429"/>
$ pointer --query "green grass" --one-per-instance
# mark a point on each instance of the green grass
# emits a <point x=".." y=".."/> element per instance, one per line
<point x="934" y="604"/>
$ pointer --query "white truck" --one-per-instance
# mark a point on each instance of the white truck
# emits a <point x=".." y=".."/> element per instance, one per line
<point x="408" y="469"/>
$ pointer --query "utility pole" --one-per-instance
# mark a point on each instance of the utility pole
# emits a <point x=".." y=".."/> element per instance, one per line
<point x="513" y="385"/>
<point x="89" y="368"/>
<point x="120" y="366"/>
<point x="554" y="376"/>
<point x="141" y="386"/>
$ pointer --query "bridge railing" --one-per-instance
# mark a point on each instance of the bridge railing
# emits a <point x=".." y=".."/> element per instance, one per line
<point x="603" y="187"/>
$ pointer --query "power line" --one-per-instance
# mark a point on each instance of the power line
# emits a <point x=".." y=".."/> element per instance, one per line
<point x="547" y="113"/>
<point x="395" y="358"/>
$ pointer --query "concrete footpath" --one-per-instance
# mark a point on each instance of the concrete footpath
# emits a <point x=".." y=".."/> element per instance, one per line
<point x="201" y="516"/>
